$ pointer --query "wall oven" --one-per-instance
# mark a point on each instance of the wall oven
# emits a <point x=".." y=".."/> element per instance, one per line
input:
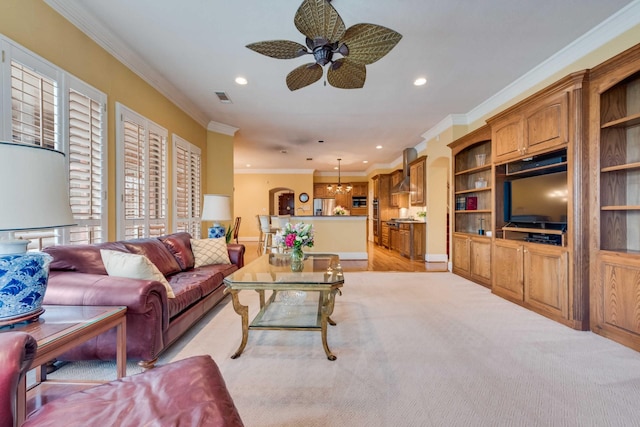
<point x="359" y="201"/>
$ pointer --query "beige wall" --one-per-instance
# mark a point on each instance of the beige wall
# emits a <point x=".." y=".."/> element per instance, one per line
<point x="40" y="29"/>
<point x="251" y="196"/>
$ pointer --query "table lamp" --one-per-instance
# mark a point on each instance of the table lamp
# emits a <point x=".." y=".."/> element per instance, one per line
<point x="216" y="208"/>
<point x="34" y="195"/>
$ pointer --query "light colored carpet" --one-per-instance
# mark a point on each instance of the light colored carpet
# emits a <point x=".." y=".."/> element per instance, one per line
<point x="417" y="349"/>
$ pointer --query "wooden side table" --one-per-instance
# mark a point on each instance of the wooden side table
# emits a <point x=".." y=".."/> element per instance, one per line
<point x="59" y="329"/>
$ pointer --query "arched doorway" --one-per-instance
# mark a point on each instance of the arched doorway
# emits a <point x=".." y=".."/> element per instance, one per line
<point x="282" y="201"/>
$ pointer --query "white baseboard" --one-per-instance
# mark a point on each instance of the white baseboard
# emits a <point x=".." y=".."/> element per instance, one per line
<point x="436" y="258"/>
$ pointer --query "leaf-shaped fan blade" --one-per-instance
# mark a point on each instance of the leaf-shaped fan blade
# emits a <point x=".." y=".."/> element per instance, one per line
<point x="303" y="76"/>
<point x="369" y="42"/>
<point x="346" y="74"/>
<point x="279" y="49"/>
<point x="317" y="19"/>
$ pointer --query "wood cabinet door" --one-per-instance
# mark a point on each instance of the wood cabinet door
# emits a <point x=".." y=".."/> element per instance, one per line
<point x="344" y="200"/>
<point x="405" y="240"/>
<point x="508" y="138"/>
<point x="396" y="177"/>
<point x="319" y="191"/>
<point x="614" y="308"/>
<point x="508" y="280"/>
<point x="480" y="259"/>
<point x="546" y="283"/>
<point x="460" y="254"/>
<point x="384" y="235"/>
<point x="417" y="173"/>
<point x="547" y="124"/>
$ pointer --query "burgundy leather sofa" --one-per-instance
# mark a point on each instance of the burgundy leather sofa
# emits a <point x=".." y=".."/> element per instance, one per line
<point x="78" y="277"/>
<point x="188" y="392"/>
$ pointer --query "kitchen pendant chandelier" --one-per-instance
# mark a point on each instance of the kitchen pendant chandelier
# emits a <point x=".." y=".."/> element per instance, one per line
<point x="338" y="189"/>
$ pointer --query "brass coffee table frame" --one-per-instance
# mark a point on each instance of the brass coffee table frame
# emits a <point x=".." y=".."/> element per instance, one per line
<point x="272" y="272"/>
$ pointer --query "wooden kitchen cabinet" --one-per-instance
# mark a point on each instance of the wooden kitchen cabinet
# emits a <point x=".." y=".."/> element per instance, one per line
<point x="396" y="177"/>
<point x="418" y="177"/>
<point x="360" y="189"/>
<point x="412" y="240"/>
<point x="384" y="235"/>
<point x="319" y="191"/>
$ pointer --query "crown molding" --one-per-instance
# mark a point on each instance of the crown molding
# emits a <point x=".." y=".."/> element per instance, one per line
<point x="222" y="128"/>
<point x="446" y="123"/>
<point x="76" y="14"/>
<point x="274" y="171"/>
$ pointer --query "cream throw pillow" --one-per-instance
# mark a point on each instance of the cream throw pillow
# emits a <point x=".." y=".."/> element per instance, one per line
<point x="133" y="266"/>
<point x="210" y="251"/>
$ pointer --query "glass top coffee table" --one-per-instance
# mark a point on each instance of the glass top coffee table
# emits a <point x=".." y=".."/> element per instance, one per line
<point x="291" y="305"/>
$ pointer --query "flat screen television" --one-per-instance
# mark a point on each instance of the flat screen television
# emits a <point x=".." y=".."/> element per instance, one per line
<point x="540" y="199"/>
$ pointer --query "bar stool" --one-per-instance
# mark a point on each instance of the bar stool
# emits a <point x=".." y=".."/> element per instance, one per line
<point x="267" y="233"/>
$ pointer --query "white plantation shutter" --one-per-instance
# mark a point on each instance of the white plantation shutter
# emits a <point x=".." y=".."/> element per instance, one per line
<point x="188" y="193"/>
<point x="45" y="106"/>
<point x="142" y="176"/>
<point x="34" y="107"/>
<point x="157" y="178"/>
<point x="86" y="169"/>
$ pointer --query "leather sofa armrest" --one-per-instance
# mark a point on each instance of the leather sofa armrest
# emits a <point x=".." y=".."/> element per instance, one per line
<point x="138" y="295"/>
<point x="17" y="350"/>
<point x="236" y="253"/>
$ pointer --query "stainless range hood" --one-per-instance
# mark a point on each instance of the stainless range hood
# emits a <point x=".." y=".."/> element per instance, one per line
<point x="404" y="186"/>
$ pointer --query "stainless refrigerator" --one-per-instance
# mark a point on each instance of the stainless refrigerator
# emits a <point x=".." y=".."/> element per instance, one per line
<point x="323" y="206"/>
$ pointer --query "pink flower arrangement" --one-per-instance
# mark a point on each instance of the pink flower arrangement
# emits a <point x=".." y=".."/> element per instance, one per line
<point x="295" y="235"/>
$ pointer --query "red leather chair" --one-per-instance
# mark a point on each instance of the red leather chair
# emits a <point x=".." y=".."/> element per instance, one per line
<point x="188" y="392"/>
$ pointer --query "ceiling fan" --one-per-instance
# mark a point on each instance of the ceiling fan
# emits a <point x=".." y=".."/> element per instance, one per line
<point x="326" y="35"/>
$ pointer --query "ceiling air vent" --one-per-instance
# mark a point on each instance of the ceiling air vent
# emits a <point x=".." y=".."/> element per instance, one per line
<point x="223" y="97"/>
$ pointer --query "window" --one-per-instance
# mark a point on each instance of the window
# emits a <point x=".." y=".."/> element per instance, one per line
<point x="187" y="192"/>
<point x="45" y="106"/>
<point x="142" y="171"/>
<point x="87" y="168"/>
<point x="34" y="107"/>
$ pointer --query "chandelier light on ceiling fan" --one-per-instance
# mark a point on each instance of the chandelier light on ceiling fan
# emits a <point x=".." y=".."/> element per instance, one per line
<point x="339" y="189"/>
<point x="326" y="35"/>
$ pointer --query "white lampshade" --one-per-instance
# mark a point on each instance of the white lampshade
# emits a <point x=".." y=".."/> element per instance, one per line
<point x="216" y="207"/>
<point x="33" y="188"/>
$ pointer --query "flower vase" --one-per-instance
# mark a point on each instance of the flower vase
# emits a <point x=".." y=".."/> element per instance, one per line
<point x="297" y="259"/>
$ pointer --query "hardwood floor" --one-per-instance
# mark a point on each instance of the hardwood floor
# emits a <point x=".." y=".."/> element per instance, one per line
<point x="380" y="259"/>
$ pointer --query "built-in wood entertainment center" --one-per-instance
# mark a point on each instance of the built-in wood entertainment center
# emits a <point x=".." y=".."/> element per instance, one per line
<point x="529" y="253"/>
<point x="578" y="263"/>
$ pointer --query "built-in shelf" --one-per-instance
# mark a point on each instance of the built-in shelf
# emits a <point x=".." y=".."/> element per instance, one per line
<point x="474" y="211"/>
<point x="474" y="170"/>
<point x="628" y="121"/>
<point x="473" y="190"/>
<point x="623" y="167"/>
<point x="533" y="230"/>
<point x="620" y="208"/>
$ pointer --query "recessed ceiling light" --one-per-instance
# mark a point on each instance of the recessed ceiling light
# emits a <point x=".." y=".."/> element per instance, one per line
<point x="420" y="81"/>
<point x="248" y="165"/>
<point x="379" y="147"/>
<point x="365" y="161"/>
<point x="335" y="167"/>
<point x="241" y="80"/>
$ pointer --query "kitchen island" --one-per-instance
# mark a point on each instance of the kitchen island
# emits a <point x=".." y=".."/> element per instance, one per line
<point x="344" y="235"/>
